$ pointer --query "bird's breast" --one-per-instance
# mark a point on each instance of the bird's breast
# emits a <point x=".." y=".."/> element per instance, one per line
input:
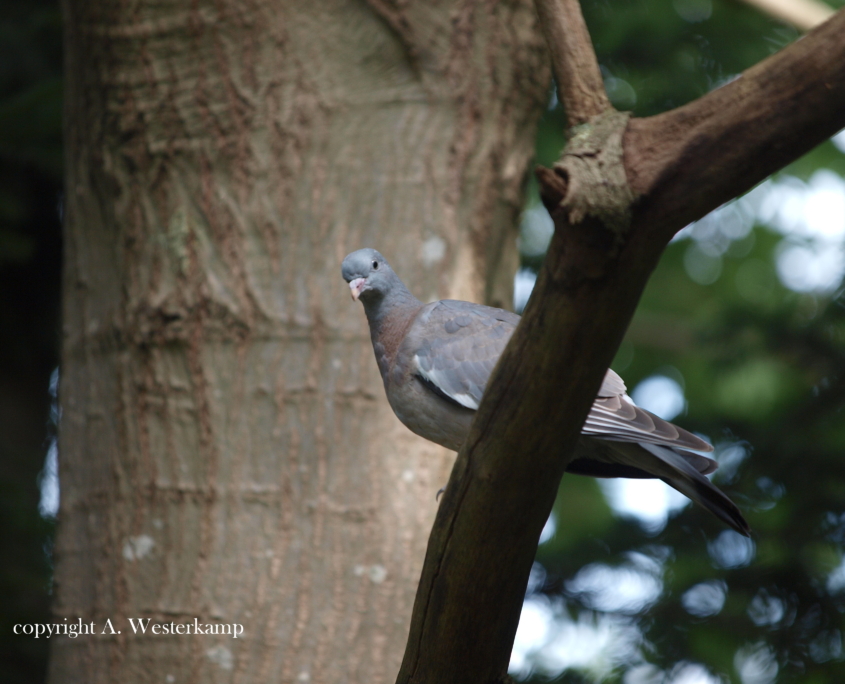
<point x="427" y="414"/>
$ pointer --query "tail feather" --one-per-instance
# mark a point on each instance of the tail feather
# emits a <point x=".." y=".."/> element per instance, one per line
<point x="676" y="471"/>
<point x="680" y="469"/>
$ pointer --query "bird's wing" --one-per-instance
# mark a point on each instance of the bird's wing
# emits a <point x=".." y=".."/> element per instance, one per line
<point x="614" y="416"/>
<point x="456" y="345"/>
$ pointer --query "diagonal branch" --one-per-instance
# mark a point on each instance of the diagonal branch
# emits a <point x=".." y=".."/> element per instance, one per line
<point x="675" y="167"/>
<point x="579" y="81"/>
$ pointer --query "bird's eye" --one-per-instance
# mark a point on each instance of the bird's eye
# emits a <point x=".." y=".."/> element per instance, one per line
<point x="375" y="265"/>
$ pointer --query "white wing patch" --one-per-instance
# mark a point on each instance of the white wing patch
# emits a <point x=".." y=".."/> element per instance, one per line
<point x="433" y="376"/>
<point x="613" y="385"/>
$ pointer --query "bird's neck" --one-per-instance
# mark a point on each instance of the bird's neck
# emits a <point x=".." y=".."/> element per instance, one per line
<point x="389" y="319"/>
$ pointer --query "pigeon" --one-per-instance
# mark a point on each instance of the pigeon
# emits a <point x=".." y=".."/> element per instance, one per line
<point x="435" y="360"/>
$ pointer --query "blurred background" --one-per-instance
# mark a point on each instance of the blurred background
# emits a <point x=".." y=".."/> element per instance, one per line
<point x="740" y="337"/>
<point x="30" y="265"/>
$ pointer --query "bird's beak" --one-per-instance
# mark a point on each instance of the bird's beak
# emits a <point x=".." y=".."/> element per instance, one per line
<point x="355" y="287"/>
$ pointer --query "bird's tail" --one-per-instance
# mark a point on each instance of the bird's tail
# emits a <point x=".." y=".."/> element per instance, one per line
<point x="677" y="471"/>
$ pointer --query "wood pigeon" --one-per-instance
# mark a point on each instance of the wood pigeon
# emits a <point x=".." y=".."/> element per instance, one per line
<point x="435" y="360"/>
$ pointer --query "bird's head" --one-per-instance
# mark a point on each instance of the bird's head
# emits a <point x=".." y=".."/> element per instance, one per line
<point x="368" y="274"/>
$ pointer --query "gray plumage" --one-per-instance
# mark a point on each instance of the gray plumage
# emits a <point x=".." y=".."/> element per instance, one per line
<point x="435" y="360"/>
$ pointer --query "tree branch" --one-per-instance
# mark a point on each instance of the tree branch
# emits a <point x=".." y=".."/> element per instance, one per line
<point x="579" y="81"/>
<point x="802" y="14"/>
<point x="608" y="238"/>
<point x="684" y="163"/>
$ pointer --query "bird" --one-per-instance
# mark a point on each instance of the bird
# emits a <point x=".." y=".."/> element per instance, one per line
<point x="435" y="360"/>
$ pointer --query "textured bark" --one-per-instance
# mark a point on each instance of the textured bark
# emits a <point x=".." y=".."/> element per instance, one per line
<point x="226" y="452"/>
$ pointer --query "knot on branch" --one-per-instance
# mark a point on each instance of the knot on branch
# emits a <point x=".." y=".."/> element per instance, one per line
<point x="593" y="165"/>
<point x="588" y="196"/>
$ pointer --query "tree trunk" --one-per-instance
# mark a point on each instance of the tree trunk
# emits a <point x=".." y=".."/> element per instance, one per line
<point x="226" y="452"/>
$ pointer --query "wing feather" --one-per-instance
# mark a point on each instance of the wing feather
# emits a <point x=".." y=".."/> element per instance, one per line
<point x="458" y="344"/>
<point x="619" y="419"/>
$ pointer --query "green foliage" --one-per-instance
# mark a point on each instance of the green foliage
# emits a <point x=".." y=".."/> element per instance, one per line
<point x="593" y="514"/>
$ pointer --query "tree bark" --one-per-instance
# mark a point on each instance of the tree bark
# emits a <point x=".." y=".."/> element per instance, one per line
<point x="226" y="453"/>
